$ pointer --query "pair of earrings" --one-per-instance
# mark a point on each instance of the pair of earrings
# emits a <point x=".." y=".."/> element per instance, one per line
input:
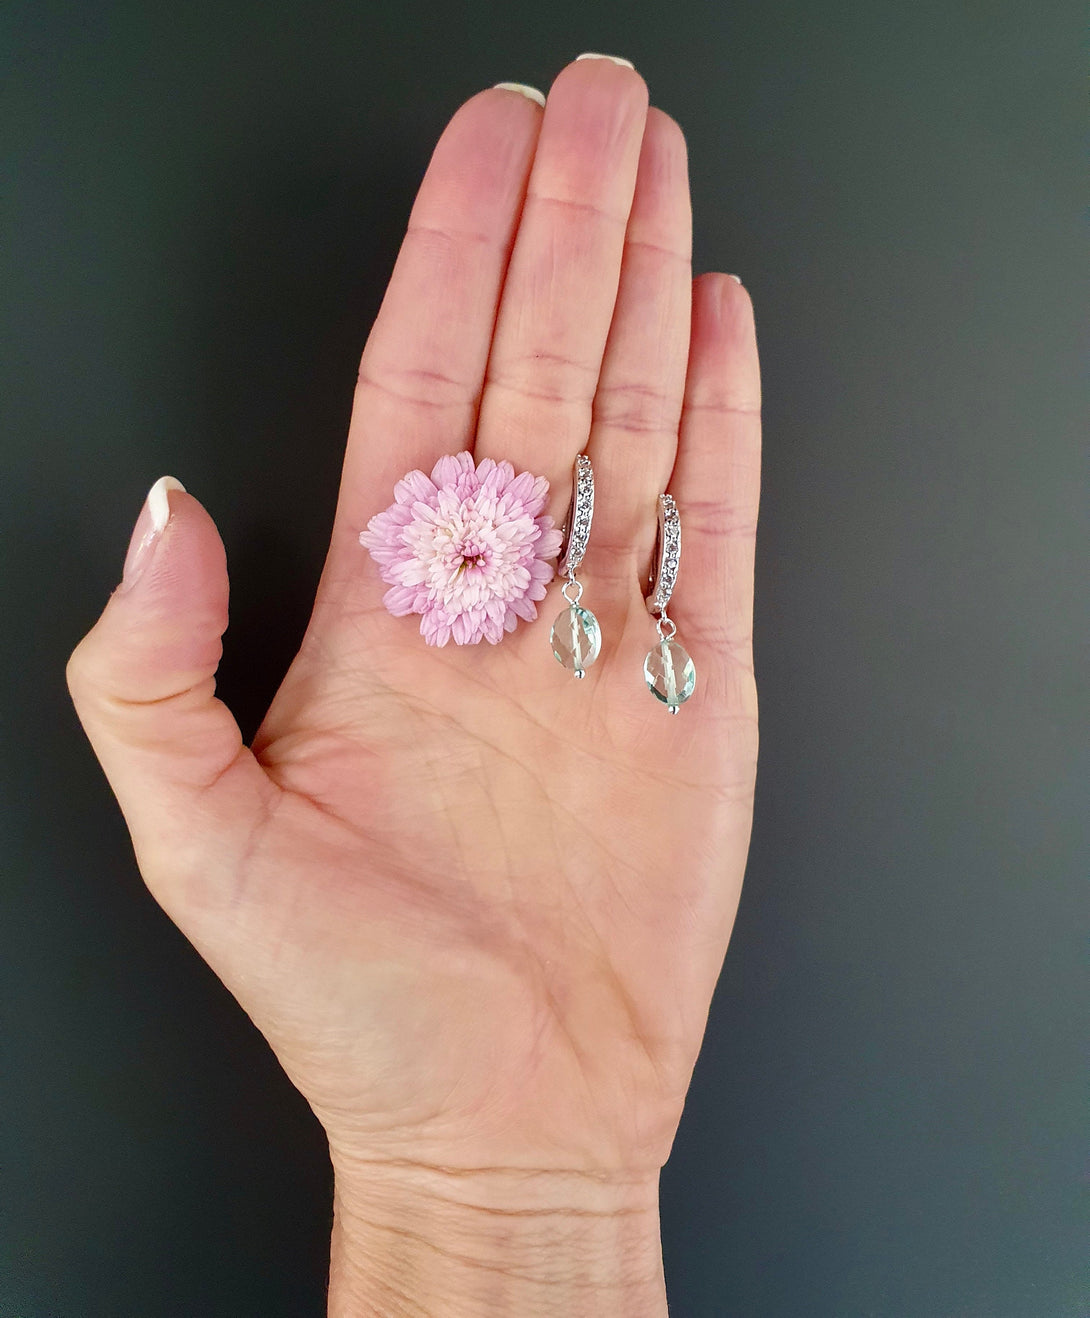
<point x="576" y="636"/>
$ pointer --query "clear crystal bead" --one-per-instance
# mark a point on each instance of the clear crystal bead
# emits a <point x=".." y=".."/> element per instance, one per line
<point x="670" y="674"/>
<point x="576" y="639"/>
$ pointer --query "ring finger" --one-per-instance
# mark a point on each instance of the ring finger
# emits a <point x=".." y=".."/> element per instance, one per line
<point x="637" y="409"/>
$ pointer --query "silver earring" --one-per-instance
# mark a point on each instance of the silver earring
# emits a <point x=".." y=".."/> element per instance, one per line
<point x="576" y="637"/>
<point x="668" y="671"/>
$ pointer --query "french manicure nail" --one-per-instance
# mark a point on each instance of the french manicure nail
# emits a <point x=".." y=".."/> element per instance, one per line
<point x="616" y="59"/>
<point x="153" y="518"/>
<point x="531" y="93"/>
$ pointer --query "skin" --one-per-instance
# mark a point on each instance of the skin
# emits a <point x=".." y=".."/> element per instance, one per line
<point x="478" y="908"/>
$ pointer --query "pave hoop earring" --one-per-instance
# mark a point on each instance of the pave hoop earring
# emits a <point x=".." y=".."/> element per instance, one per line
<point x="576" y="637"/>
<point x="668" y="671"/>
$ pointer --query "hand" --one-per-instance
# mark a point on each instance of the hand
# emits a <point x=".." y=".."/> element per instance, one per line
<point x="476" y="907"/>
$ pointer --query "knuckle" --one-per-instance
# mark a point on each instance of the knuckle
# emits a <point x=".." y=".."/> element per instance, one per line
<point x="636" y="407"/>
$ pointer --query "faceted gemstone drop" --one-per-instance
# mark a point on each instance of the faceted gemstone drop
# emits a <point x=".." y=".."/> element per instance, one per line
<point x="670" y="674"/>
<point x="576" y="639"/>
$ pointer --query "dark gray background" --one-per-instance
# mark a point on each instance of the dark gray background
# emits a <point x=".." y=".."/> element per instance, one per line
<point x="888" y="1117"/>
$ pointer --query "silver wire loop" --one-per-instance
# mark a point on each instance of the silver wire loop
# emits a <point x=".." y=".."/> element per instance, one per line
<point x="572" y="584"/>
<point x="662" y="623"/>
<point x="667" y="557"/>
<point x="580" y="514"/>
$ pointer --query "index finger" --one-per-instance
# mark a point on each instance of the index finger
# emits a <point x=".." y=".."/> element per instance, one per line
<point x="423" y="367"/>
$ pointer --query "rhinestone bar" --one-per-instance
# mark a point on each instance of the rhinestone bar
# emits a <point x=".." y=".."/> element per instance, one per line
<point x="667" y="555"/>
<point x="580" y="514"/>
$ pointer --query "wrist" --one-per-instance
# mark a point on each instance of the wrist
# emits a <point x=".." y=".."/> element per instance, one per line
<point x="447" y="1243"/>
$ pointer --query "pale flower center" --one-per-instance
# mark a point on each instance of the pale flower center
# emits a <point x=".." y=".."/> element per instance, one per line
<point x="471" y="562"/>
<point x="473" y="554"/>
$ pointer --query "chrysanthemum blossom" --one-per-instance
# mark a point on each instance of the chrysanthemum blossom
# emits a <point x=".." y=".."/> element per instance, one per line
<point x="467" y="548"/>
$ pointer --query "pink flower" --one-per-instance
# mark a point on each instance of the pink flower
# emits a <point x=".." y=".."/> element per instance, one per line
<point x="468" y="549"/>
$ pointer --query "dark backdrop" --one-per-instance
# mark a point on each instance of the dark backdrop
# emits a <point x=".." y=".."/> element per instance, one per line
<point x="887" y="1115"/>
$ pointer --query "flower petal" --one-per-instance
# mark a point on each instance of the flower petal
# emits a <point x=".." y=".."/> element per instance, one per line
<point x="408" y="572"/>
<point x="413" y="486"/>
<point x="549" y="542"/>
<point x="434" y="629"/>
<point x="400" y="600"/>
<point x="450" y="467"/>
<point x="521" y="487"/>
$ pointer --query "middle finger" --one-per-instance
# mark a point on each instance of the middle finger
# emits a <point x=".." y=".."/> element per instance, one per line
<point x="561" y="284"/>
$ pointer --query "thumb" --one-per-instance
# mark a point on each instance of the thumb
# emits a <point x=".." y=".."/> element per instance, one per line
<point x="143" y="683"/>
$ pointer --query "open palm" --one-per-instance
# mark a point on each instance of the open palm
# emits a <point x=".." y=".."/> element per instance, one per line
<point x="478" y="908"/>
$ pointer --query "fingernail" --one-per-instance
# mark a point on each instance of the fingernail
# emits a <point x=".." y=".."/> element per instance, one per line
<point x="531" y="93"/>
<point x="616" y="59"/>
<point x="735" y="278"/>
<point x="149" y="526"/>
